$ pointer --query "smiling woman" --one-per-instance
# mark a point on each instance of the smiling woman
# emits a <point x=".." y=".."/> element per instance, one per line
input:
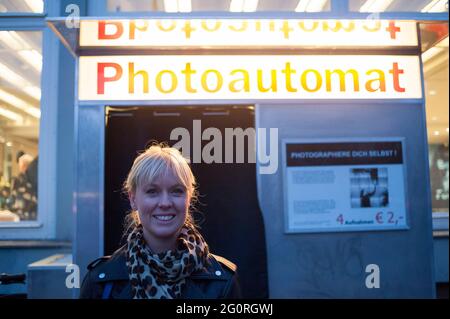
<point x="165" y="256"/>
<point x="160" y="187"/>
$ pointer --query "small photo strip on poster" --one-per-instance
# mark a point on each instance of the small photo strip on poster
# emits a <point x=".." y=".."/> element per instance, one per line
<point x="369" y="187"/>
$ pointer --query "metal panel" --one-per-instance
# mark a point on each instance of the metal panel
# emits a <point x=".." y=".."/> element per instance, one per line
<point x="89" y="184"/>
<point x="47" y="278"/>
<point x="332" y="265"/>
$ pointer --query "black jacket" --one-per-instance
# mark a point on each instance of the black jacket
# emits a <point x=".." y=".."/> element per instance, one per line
<point x="108" y="278"/>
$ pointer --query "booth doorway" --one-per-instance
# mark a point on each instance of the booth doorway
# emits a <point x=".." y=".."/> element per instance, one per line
<point x="230" y="218"/>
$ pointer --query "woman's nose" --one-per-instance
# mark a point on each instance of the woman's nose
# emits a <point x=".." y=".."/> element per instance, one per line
<point x="165" y="201"/>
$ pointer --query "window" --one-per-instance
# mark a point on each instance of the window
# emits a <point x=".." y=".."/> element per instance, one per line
<point x="22" y="6"/>
<point x="435" y="58"/>
<point x="20" y="94"/>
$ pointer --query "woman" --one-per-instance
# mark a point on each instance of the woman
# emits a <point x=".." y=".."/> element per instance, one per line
<point x="165" y="256"/>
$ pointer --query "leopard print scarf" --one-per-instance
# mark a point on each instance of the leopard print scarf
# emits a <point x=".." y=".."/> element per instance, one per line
<point x="163" y="275"/>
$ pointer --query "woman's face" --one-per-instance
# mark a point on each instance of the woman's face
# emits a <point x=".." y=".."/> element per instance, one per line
<point x="162" y="207"/>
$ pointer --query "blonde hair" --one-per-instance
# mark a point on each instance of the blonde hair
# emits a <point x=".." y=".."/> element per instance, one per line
<point x="154" y="162"/>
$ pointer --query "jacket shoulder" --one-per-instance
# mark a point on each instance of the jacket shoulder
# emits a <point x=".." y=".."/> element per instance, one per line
<point x="102" y="270"/>
<point x="97" y="262"/>
<point x="89" y="287"/>
<point x="118" y="254"/>
<point x="232" y="288"/>
<point x="225" y="262"/>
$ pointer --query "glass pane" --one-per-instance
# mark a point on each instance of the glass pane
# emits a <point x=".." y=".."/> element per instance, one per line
<point x="20" y="94"/>
<point x="28" y="6"/>
<point x="208" y="5"/>
<point x="399" y="5"/>
<point x="431" y="34"/>
<point x="436" y="68"/>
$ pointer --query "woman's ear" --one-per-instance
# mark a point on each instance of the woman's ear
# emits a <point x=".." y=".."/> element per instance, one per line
<point x="131" y="197"/>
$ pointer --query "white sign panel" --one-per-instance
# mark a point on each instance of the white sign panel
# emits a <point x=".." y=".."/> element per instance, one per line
<point x="247" y="33"/>
<point x="333" y="186"/>
<point x="233" y="77"/>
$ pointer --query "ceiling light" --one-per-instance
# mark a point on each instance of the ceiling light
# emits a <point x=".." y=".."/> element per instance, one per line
<point x="13" y="40"/>
<point x="20" y="104"/>
<point x="33" y="57"/>
<point x="37" y="6"/>
<point x="33" y="91"/>
<point x="12" y="77"/>
<point x="250" y="5"/>
<point x="375" y="5"/>
<point x="33" y="111"/>
<point x="301" y="6"/>
<point x="184" y="5"/>
<point x="177" y="6"/>
<point x="170" y="5"/>
<point x="435" y="6"/>
<point x="236" y="5"/>
<point x="436" y="133"/>
<point x="432" y="92"/>
<point x="11" y="115"/>
<point x="243" y="5"/>
<point x="316" y="6"/>
<point x="310" y="5"/>
<point x="16" y="80"/>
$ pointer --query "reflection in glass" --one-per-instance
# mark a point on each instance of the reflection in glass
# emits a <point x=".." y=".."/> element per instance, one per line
<point x="435" y="58"/>
<point x="425" y="6"/>
<point x="27" y="6"/>
<point x="218" y="6"/>
<point x="20" y="94"/>
<point x="439" y="175"/>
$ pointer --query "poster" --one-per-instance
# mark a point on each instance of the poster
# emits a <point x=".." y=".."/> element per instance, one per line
<point x="344" y="185"/>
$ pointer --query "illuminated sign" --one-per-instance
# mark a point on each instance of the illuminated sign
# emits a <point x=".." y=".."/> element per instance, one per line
<point x="183" y="77"/>
<point x="238" y="33"/>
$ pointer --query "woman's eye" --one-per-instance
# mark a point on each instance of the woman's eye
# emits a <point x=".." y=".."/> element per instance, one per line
<point x="178" y="191"/>
<point x="151" y="191"/>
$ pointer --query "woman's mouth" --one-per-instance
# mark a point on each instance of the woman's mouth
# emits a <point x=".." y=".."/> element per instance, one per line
<point x="164" y="218"/>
